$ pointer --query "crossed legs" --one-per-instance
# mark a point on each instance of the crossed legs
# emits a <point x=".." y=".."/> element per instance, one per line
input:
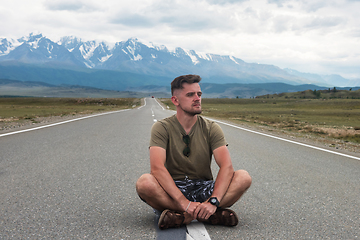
<point x="149" y="189"/>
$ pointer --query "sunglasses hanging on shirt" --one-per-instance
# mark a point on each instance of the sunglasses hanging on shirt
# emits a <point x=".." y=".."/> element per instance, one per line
<point x="186" y="150"/>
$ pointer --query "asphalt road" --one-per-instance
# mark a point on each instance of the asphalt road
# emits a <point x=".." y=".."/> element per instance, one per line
<point x="77" y="181"/>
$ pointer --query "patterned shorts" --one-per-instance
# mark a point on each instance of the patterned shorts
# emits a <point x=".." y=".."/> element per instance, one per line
<point x="196" y="190"/>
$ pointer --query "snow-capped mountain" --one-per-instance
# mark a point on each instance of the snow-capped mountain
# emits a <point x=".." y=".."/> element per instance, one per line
<point x="6" y="46"/>
<point x="134" y="56"/>
<point x="37" y="49"/>
<point x="91" y="53"/>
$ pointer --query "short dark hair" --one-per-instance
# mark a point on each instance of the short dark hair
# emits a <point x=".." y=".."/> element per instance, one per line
<point x="178" y="82"/>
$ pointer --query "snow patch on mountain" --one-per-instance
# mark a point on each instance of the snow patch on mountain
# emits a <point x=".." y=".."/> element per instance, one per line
<point x="205" y="56"/>
<point x="105" y="58"/>
<point x="132" y="48"/>
<point x="88" y="65"/>
<point x="146" y="43"/>
<point x="6" y="46"/>
<point x="137" y="57"/>
<point x="34" y="44"/>
<point x="193" y="56"/>
<point x="87" y="49"/>
<point x="233" y="59"/>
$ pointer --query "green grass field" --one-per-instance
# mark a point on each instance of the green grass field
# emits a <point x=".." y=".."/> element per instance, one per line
<point x="336" y="118"/>
<point x="17" y="109"/>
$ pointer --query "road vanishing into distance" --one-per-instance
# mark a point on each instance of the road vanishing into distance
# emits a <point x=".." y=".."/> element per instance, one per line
<point x="77" y="181"/>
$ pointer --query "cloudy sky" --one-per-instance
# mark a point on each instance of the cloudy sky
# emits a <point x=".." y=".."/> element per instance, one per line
<point x="316" y="36"/>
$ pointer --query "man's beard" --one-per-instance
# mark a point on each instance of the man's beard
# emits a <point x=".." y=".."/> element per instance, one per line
<point x="192" y="112"/>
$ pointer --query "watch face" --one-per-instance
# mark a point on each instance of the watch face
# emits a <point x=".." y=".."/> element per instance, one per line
<point x="214" y="201"/>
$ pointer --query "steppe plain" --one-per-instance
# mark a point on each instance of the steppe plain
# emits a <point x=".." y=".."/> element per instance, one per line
<point x="330" y="123"/>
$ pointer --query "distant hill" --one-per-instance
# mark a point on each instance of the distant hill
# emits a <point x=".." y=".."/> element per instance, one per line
<point x="251" y="90"/>
<point x="103" y="79"/>
<point x="10" y="88"/>
<point x="326" y="80"/>
<point x="330" y="93"/>
<point x="210" y="90"/>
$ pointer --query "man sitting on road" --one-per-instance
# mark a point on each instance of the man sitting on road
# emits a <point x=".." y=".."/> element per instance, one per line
<point x="180" y="183"/>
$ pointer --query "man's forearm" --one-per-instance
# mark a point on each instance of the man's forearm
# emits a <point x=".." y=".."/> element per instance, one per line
<point x="162" y="175"/>
<point x="167" y="183"/>
<point x="222" y="181"/>
<point x="226" y="172"/>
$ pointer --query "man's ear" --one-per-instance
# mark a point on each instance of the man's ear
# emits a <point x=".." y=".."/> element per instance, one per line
<point x="175" y="100"/>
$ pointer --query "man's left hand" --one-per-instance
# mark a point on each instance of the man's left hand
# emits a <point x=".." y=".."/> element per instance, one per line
<point x="205" y="210"/>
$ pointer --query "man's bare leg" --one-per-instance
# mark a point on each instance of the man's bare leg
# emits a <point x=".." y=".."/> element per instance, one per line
<point x="149" y="189"/>
<point x="240" y="182"/>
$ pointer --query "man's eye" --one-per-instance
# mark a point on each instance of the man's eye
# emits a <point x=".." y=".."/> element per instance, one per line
<point x="199" y="94"/>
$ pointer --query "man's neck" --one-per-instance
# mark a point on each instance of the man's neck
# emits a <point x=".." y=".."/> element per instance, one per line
<point x="186" y="121"/>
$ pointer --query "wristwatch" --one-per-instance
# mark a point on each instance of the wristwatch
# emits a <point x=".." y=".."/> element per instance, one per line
<point x="214" y="201"/>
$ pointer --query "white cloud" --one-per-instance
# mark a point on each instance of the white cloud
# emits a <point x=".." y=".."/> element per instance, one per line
<point x="64" y="5"/>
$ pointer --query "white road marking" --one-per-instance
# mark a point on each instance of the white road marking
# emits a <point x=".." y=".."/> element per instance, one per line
<point x="188" y="237"/>
<point x="55" y="124"/>
<point x="159" y="104"/>
<point x="153" y="115"/>
<point x="143" y="105"/>
<point x="197" y="231"/>
<point x="286" y="140"/>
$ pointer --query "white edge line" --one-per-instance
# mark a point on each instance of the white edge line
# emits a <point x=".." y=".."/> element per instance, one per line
<point x="142" y="105"/>
<point x="159" y="104"/>
<point x="286" y="140"/>
<point x="55" y="124"/>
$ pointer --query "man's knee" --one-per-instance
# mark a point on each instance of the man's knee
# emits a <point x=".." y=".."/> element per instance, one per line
<point x="242" y="179"/>
<point x="145" y="185"/>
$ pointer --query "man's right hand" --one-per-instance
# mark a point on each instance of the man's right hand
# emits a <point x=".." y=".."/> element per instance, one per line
<point x="191" y="207"/>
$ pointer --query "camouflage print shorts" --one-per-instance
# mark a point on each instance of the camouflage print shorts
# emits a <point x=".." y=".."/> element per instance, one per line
<point x="196" y="190"/>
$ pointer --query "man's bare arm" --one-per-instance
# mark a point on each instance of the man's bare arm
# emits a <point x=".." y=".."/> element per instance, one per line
<point x="162" y="175"/>
<point x="225" y="174"/>
<point x="222" y="182"/>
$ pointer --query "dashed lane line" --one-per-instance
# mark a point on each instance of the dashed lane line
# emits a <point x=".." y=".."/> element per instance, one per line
<point x="197" y="231"/>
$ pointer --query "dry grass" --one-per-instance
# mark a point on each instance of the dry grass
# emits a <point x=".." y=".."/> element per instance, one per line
<point x="15" y="112"/>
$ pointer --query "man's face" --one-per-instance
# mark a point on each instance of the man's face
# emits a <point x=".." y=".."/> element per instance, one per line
<point x="188" y="99"/>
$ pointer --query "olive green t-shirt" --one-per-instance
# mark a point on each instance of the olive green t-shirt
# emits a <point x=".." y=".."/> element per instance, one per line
<point x="205" y="136"/>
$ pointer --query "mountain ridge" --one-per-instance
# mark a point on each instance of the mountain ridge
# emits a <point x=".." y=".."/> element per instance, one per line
<point x="147" y="59"/>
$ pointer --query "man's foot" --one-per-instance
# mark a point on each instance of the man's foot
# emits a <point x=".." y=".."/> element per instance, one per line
<point x="170" y="219"/>
<point x="225" y="217"/>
